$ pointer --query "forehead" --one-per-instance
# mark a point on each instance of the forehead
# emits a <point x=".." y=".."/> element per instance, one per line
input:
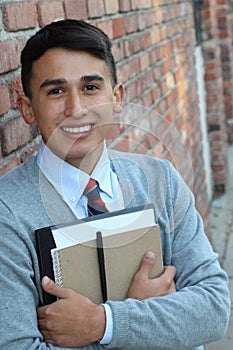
<point x="61" y="62"/>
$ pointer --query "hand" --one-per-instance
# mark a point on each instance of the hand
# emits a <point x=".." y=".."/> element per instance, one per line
<point x="143" y="287"/>
<point x="72" y="321"/>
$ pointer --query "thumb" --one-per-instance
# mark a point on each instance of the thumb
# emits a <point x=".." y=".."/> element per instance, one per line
<point x="52" y="288"/>
<point x="147" y="263"/>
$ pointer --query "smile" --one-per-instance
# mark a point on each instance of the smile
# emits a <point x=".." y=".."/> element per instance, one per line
<point x="80" y="129"/>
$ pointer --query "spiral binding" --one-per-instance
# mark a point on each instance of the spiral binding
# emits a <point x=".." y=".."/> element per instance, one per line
<point x="57" y="267"/>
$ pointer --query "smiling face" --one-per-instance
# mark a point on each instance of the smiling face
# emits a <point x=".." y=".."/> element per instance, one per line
<point x="72" y="102"/>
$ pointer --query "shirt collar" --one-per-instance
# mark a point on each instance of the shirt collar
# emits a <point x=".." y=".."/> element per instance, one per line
<point x="70" y="181"/>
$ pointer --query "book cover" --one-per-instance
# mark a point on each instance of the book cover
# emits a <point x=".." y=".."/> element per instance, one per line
<point x="68" y="252"/>
<point x="77" y="266"/>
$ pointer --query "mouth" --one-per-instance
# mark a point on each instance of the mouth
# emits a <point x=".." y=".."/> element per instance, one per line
<point x="78" y="130"/>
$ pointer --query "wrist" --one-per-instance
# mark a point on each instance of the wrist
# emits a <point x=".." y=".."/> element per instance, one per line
<point x="100" y="322"/>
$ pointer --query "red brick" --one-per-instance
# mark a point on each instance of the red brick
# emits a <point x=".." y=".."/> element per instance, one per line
<point x="140" y="4"/>
<point x="76" y="9"/>
<point x="131" y="92"/>
<point x="146" y="40"/>
<point x="144" y="61"/>
<point x="49" y="11"/>
<point x="211" y="65"/>
<point x="147" y="99"/>
<point x="106" y="26"/>
<point x="118" y="51"/>
<point x="211" y="76"/>
<point x="123" y="73"/>
<point x="155" y="38"/>
<point x="20" y="15"/>
<point x="135" y="45"/>
<point x="134" y="65"/>
<point x="124" y="5"/>
<point x="28" y="153"/>
<point x="142" y="21"/>
<point x="9" y="166"/>
<point x="114" y="131"/>
<point x="95" y="8"/>
<point x="119" y="27"/>
<point x="4" y="99"/>
<point x="131" y="24"/>
<point x="222" y="2"/>
<point x="9" y="56"/>
<point x="150" y="19"/>
<point x="132" y="46"/>
<point x="15" y="133"/>
<point x="155" y="93"/>
<point x="122" y="144"/>
<point x="16" y="89"/>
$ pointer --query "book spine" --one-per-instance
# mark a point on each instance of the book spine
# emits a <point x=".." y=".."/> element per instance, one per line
<point x="57" y="267"/>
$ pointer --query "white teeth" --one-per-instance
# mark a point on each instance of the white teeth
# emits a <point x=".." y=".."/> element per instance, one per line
<point x="78" y="130"/>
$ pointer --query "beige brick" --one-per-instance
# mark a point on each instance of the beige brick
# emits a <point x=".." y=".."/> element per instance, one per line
<point x="111" y="6"/>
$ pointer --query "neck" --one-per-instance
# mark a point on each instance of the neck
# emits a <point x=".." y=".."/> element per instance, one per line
<point x="87" y="163"/>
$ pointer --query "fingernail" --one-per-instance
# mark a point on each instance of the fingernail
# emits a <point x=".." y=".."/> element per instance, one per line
<point x="150" y="255"/>
<point x="46" y="280"/>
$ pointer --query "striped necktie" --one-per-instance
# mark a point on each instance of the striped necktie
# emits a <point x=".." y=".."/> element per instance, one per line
<point x="95" y="204"/>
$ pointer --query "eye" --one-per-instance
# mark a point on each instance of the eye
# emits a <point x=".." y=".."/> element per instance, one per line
<point x="55" y="91"/>
<point x="90" y="87"/>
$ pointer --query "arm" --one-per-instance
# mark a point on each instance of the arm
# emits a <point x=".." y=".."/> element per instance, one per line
<point x="198" y="312"/>
<point x="19" y="289"/>
<point x="75" y="321"/>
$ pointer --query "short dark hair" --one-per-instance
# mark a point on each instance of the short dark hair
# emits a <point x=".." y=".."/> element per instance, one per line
<point x="67" y="34"/>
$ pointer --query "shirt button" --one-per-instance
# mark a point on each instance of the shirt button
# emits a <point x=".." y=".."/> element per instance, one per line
<point x="73" y="198"/>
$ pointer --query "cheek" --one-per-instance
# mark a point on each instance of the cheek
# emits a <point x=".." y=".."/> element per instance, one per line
<point x="105" y="111"/>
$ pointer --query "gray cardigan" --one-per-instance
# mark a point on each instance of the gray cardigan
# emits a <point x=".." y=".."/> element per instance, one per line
<point x="196" y="314"/>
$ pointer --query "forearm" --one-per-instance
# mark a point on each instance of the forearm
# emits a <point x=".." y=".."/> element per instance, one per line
<point x="196" y="314"/>
<point x="19" y="274"/>
<point x="181" y="320"/>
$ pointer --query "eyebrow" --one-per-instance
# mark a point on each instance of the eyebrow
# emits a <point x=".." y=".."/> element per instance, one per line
<point x="91" y="77"/>
<point x="49" y="82"/>
<point x="62" y="81"/>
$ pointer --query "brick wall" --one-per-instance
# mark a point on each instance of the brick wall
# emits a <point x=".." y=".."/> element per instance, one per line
<point x="217" y="51"/>
<point x="153" y="44"/>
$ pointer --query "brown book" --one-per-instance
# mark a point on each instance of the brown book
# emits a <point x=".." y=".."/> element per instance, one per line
<point x="99" y="269"/>
<point x="77" y="266"/>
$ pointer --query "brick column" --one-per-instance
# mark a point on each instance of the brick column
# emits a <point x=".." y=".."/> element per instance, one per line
<point x="214" y="94"/>
<point x="226" y="37"/>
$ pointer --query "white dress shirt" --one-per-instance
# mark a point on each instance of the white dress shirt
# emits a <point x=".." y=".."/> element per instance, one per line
<point x="70" y="182"/>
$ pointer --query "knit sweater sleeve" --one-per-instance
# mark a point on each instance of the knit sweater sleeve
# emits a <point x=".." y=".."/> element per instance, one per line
<point x="18" y="288"/>
<point x="198" y="312"/>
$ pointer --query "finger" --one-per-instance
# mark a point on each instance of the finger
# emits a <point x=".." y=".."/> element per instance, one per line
<point x="169" y="274"/>
<point x="42" y="324"/>
<point x="147" y="263"/>
<point x="48" y="337"/>
<point x="52" y="288"/>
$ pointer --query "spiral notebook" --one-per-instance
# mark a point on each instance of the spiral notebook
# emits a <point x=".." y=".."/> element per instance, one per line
<point x="100" y="271"/>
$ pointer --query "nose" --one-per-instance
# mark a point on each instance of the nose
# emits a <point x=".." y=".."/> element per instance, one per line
<point x="74" y="105"/>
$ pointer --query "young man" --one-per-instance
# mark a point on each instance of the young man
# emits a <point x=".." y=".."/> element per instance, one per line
<point x="71" y="92"/>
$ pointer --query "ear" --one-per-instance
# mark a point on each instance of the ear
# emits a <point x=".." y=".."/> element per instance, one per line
<point x="119" y="95"/>
<point x="24" y="106"/>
